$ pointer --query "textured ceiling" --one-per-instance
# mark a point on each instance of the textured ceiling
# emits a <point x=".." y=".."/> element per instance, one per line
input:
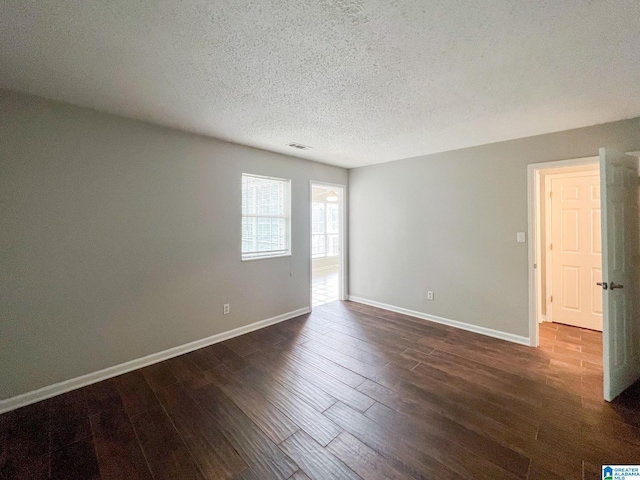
<point x="361" y="81"/>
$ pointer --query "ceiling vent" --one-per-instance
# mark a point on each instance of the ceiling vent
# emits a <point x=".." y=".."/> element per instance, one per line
<point x="299" y="146"/>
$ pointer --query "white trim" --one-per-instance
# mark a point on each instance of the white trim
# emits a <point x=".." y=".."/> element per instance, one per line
<point x="326" y="256"/>
<point x="328" y="267"/>
<point x="343" y="293"/>
<point x="533" y="211"/>
<point x="509" y="337"/>
<point x="543" y="318"/>
<point x="575" y="162"/>
<point x="251" y="257"/>
<point x="106" y="373"/>
<point x="538" y="256"/>
<point x="533" y="199"/>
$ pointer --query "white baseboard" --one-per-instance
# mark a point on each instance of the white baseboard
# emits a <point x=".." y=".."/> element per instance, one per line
<point x="104" y="374"/>
<point x="510" y="337"/>
<point x="325" y="268"/>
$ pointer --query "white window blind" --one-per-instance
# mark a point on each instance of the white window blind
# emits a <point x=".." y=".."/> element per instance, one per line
<point x="266" y="212"/>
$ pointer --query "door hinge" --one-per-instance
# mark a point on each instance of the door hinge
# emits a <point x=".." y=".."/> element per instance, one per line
<point x="551" y="299"/>
<point x="551" y="246"/>
<point x="550" y="194"/>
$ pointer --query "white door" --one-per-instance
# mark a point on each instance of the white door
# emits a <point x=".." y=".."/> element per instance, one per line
<point x="576" y="251"/>
<point x="621" y="335"/>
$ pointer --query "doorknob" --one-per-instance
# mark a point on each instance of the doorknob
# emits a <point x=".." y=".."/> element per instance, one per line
<point x="615" y="285"/>
<point x="603" y="285"/>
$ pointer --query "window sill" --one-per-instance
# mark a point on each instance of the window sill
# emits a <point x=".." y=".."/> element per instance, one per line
<point x="264" y="257"/>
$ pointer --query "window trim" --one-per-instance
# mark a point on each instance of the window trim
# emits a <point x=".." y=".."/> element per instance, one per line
<point x="286" y="252"/>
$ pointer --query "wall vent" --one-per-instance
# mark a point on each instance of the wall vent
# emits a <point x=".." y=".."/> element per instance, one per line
<point x="299" y="146"/>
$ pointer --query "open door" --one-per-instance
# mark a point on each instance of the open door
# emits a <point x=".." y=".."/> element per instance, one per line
<point x="621" y="332"/>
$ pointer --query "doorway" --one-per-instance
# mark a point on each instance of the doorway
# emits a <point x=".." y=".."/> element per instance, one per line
<point x="571" y="244"/>
<point x="620" y="267"/>
<point x="568" y="263"/>
<point x="566" y="244"/>
<point x="327" y="243"/>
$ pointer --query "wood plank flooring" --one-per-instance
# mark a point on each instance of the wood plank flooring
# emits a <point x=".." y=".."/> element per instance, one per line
<point x="347" y="392"/>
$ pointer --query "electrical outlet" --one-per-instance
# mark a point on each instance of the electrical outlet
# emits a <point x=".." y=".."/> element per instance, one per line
<point x="429" y="295"/>
<point x="226" y="308"/>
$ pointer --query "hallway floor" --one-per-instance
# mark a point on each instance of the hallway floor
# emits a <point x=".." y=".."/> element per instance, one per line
<point x="575" y="358"/>
<point x="325" y="286"/>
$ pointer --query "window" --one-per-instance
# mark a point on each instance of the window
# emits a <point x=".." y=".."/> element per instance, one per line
<point x="266" y="211"/>
<point x="324" y="235"/>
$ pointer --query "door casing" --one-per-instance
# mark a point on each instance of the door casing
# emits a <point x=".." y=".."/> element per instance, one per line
<point x="535" y="241"/>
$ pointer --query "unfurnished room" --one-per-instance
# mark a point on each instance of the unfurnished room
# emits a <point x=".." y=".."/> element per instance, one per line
<point x="326" y="239"/>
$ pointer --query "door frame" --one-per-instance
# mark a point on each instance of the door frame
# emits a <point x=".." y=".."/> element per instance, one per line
<point x="535" y="240"/>
<point x="342" y="257"/>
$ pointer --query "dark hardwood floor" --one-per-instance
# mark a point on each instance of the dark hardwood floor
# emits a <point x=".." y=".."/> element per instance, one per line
<point x="347" y="392"/>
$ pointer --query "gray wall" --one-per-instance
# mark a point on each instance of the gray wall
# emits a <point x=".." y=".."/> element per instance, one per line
<point x="119" y="239"/>
<point x="447" y="222"/>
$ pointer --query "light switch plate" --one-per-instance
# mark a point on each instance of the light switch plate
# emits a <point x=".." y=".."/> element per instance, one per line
<point x="521" y="237"/>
